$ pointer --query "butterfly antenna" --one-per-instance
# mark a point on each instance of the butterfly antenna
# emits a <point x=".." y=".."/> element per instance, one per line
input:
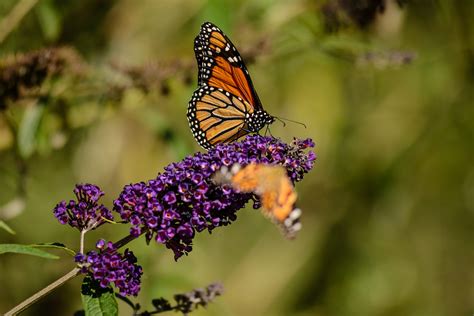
<point x="282" y="119"/>
<point x="282" y="122"/>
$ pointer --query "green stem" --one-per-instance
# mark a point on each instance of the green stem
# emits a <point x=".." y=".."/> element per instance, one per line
<point x="11" y="21"/>
<point x="40" y="294"/>
<point x="81" y="247"/>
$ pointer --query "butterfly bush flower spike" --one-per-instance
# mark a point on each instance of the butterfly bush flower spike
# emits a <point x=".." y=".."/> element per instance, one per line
<point x="85" y="213"/>
<point x="107" y="266"/>
<point x="184" y="200"/>
<point x="188" y="302"/>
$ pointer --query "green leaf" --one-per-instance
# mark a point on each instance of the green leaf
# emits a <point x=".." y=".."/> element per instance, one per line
<point x="26" y="250"/>
<point x="28" y="129"/>
<point x="127" y="301"/>
<point x="99" y="304"/>
<point x="55" y="245"/>
<point x="49" y="20"/>
<point x="7" y="228"/>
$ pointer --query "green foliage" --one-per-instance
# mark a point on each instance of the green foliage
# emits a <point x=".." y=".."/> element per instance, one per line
<point x="55" y="245"/>
<point x="31" y="250"/>
<point x="49" y="20"/>
<point x="27" y="133"/>
<point x="104" y="305"/>
<point x="97" y="301"/>
<point x="6" y="228"/>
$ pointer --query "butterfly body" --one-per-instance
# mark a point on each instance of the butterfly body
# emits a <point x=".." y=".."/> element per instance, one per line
<point x="225" y="106"/>
<point x="258" y="120"/>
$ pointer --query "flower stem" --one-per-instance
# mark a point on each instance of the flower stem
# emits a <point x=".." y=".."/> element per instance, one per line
<point x="122" y="242"/>
<point x="70" y="275"/>
<point x="83" y="233"/>
<point x="40" y="294"/>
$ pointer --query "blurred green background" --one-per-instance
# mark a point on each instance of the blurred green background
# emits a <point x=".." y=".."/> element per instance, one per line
<point x="385" y="88"/>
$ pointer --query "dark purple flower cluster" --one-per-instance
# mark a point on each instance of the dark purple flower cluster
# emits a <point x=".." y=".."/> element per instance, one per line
<point x="183" y="199"/>
<point x="85" y="213"/>
<point x="107" y="266"/>
<point x="188" y="302"/>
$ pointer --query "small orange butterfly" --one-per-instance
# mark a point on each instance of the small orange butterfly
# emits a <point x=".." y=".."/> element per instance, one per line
<point x="274" y="188"/>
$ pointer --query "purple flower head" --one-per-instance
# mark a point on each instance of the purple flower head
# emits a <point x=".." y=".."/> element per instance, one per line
<point x="85" y="213"/>
<point x="183" y="199"/>
<point x="108" y="266"/>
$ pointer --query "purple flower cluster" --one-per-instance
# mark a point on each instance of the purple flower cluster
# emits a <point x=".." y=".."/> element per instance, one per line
<point x="85" y="213"/>
<point x="108" y="266"/>
<point x="188" y="302"/>
<point x="183" y="199"/>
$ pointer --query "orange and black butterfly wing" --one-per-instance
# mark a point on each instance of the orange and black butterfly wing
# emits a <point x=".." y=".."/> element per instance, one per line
<point x="221" y="66"/>
<point x="277" y="195"/>
<point x="274" y="189"/>
<point x="198" y="53"/>
<point x="222" y="119"/>
<point x="217" y="116"/>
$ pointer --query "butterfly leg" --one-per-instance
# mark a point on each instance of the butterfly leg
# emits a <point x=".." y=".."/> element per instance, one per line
<point x="267" y="131"/>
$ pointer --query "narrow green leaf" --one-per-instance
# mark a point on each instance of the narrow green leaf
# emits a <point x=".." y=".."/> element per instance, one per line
<point x="26" y="250"/>
<point x="49" y="19"/>
<point x="28" y="129"/>
<point x="7" y="228"/>
<point x="102" y="305"/>
<point x="55" y="245"/>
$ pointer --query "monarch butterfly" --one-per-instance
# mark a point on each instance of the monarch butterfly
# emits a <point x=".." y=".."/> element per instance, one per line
<point x="272" y="185"/>
<point x="225" y="106"/>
